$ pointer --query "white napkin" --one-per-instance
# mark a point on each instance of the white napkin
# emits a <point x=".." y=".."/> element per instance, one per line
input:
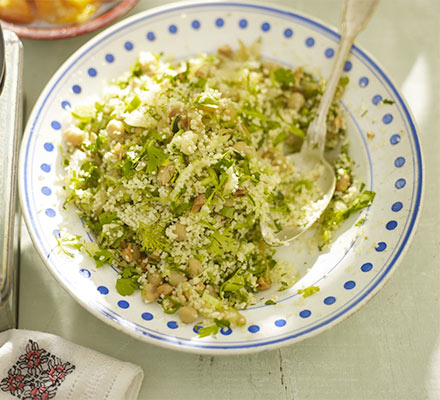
<point x="41" y="366"/>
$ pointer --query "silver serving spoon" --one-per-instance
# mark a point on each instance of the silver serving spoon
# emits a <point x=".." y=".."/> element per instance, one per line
<point x="355" y="17"/>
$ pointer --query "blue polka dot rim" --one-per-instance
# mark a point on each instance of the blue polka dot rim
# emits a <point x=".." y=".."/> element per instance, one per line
<point x="288" y="33"/>
<point x="172" y="324"/>
<point x="146" y="316"/>
<point x="123" y="304"/>
<point x="305" y="313"/>
<point x="103" y="290"/>
<point x="310" y="42"/>
<point x="366" y="267"/>
<point x="253" y="328"/>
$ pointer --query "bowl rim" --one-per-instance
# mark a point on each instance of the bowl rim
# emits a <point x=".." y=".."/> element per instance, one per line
<point x="63" y="32"/>
<point x="349" y="309"/>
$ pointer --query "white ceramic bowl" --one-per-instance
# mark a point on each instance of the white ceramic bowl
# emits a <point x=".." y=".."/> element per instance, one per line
<point x="362" y="257"/>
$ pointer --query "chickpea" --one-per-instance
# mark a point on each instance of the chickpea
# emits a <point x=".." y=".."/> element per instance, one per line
<point x="175" y="278"/>
<point x="165" y="174"/>
<point x="187" y="314"/>
<point x="115" y="129"/>
<point x="149" y="293"/>
<point x="165" y="289"/>
<point x="243" y="148"/>
<point x="131" y="253"/>
<point x="194" y="267"/>
<point x="263" y="283"/>
<point x="295" y="101"/>
<point x="154" y="278"/>
<point x="180" y="231"/>
<point x="74" y="136"/>
<point x="198" y="203"/>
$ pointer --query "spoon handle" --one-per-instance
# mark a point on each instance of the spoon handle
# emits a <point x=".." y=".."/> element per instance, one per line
<point x="355" y="17"/>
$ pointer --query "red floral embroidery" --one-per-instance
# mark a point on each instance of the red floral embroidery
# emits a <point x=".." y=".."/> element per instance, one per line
<point x="36" y="375"/>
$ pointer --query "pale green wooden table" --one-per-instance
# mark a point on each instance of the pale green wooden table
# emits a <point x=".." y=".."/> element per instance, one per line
<point x="390" y="349"/>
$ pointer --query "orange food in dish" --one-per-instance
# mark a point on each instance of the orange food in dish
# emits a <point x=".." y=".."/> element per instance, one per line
<point x="66" y="11"/>
<point x="50" y="11"/>
<point x="19" y="11"/>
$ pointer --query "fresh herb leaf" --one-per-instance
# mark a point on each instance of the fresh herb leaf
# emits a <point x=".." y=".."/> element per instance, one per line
<point x="227" y="212"/>
<point x="360" y="222"/>
<point x="126" y="286"/>
<point x="233" y="284"/>
<point x="308" y="291"/>
<point x="156" y="156"/>
<point x="152" y="237"/>
<point x="169" y="305"/>
<point x="134" y="103"/>
<point x="128" y="169"/>
<point x="280" y="138"/>
<point x="214" y="328"/>
<point x="270" y="303"/>
<point x="297" y="131"/>
<point x="344" y="81"/>
<point x="284" y="77"/>
<point x="102" y="257"/>
<point x="208" y="330"/>
<point x="388" y="101"/>
<point x="332" y="218"/>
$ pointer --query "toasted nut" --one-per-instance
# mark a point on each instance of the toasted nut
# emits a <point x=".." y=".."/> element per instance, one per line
<point x="295" y="101"/>
<point x="240" y="192"/>
<point x="154" y="278"/>
<point x="225" y="50"/>
<point x="131" y="253"/>
<point x="144" y="266"/>
<point x="74" y="136"/>
<point x="243" y="148"/>
<point x="337" y="122"/>
<point x="165" y="174"/>
<point x="187" y="314"/>
<point x="343" y="182"/>
<point x="263" y="283"/>
<point x="115" y="129"/>
<point x="194" y="267"/>
<point x="180" y="231"/>
<point x="268" y="154"/>
<point x="175" y="278"/>
<point x="198" y="203"/>
<point x="173" y="112"/>
<point x="165" y="289"/>
<point x="370" y="135"/>
<point x="149" y="293"/>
